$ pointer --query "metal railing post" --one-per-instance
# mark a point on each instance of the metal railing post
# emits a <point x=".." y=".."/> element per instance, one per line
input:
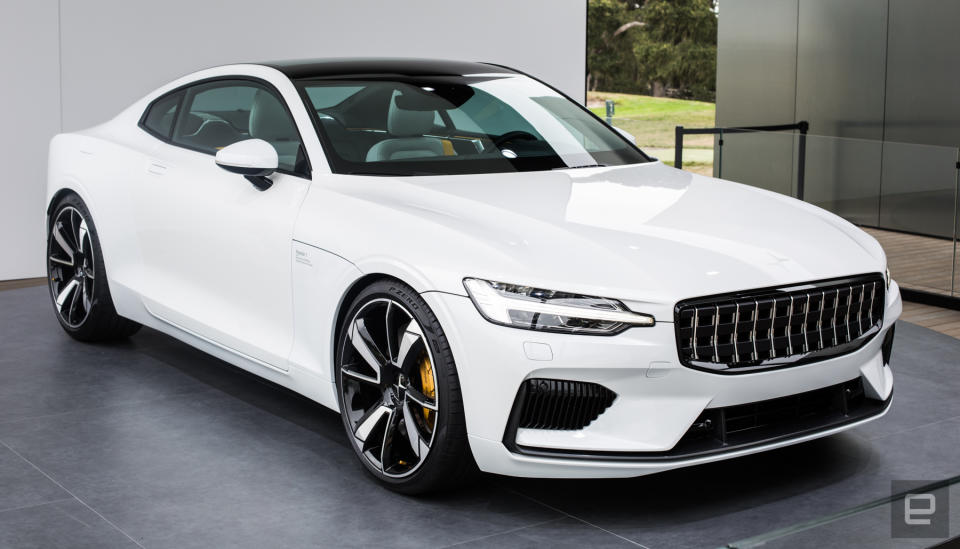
<point x="956" y="210"/>
<point x="803" y="126"/>
<point x="678" y="148"/>
<point x="720" y="154"/>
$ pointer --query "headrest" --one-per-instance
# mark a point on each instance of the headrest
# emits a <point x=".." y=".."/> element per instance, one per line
<point x="269" y="120"/>
<point x="408" y="123"/>
<point x="191" y="123"/>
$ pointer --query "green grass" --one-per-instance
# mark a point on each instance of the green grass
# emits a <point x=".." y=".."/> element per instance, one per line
<point x="652" y="119"/>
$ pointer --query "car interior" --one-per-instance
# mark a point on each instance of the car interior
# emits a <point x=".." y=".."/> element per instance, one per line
<point x="391" y="121"/>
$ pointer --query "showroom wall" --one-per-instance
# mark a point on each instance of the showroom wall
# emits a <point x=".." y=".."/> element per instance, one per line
<point x="30" y="96"/>
<point x="75" y="64"/>
<point x="877" y="81"/>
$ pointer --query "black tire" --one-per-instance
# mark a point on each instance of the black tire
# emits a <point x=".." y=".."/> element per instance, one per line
<point x="448" y="461"/>
<point x="87" y="312"/>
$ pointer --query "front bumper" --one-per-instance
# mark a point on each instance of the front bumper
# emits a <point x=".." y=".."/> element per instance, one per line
<point x="658" y="399"/>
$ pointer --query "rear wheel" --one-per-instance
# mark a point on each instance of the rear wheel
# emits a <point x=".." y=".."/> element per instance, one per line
<point x="399" y="392"/>
<point x="77" y="278"/>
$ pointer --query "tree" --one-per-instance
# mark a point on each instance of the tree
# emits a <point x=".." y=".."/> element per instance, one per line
<point x="653" y="46"/>
<point x="678" y="48"/>
<point x="611" y="64"/>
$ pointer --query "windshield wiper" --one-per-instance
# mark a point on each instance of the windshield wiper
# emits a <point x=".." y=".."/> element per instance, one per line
<point x="581" y="166"/>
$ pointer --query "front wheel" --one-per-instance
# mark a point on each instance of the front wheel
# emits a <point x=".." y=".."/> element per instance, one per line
<point x="399" y="392"/>
<point x="77" y="277"/>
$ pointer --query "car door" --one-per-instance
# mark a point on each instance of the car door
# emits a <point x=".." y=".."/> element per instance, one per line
<point x="215" y="249"/>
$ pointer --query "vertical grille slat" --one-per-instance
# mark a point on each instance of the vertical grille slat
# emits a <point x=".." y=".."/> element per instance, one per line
<point x="538" y="418"/>
<point x="863" y="290"/>
<point x="564" y="401"/>
<point x="550" y="416"/>
<point x="790" y="328"/>
<point x="780" y="326"/>
<point x="696" y="326"/>
<point x="806" y="314"/>
<point x="736" y="334"/>
<point x="823" y="305"/>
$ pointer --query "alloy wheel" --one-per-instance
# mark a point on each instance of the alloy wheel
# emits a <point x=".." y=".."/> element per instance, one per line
<point x="388" y="387"/>
<point x="70" y="264"/>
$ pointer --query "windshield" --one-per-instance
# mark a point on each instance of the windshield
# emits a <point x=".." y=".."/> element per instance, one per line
<point x="458" y="125"/>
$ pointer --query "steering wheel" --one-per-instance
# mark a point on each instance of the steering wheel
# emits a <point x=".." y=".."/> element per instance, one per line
<point x="514" y="135"/>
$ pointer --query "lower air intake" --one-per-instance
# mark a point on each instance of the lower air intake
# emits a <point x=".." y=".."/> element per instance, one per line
<point x="560" y="404"/>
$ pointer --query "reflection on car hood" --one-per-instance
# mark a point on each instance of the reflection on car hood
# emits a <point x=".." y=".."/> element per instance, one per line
<point x="645" y="233"/>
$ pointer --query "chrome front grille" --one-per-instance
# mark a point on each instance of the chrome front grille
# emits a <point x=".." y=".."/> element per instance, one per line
<point x="777" y="327"/>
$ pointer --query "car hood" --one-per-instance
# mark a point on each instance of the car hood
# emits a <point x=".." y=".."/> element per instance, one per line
<point x="648" y="234"/>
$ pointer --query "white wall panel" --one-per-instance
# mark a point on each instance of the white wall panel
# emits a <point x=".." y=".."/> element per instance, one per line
<point x="115" y="51"/>
<point x="30" y="99"/>
<point x="108" y="53"/>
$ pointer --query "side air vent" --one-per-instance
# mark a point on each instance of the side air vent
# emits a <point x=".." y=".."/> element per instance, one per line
<point x="559" y="404"/>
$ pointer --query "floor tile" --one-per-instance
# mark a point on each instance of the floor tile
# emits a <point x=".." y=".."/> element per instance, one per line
<point x="926" y="372"/>
<point x="63" y="524"/>
<point x="43" y="371"/>
<point x="246" y="468"/>
<point x="21" y="485"/>
<point x="556" y="534"/>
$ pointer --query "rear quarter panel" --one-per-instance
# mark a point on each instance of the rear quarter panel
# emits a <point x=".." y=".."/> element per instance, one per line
<point x="102" y="171"/>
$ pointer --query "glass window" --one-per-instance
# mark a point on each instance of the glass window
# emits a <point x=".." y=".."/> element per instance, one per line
<point x="161" y="113"/>
<point x="435" y="125"/>
<point x="221" y="113"/>
<point x="324" y="97"/>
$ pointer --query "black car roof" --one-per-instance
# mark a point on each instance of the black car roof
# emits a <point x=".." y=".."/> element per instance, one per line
<point x="335" y="67"/>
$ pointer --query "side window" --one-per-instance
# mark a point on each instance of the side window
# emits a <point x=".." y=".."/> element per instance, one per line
<point x="161" y="114"/>
<point x="221" y="113"/>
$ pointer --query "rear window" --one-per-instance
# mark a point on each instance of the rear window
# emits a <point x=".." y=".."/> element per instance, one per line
<point x="161" y="114"/>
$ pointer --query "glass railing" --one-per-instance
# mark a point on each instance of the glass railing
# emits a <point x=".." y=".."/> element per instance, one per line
<point x="904" y="194"/>
<point x="657" y="139"/>
<point x="881" y="522"/>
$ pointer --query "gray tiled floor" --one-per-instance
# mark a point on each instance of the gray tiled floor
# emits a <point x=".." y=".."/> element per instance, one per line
<point x="149" y="442"/>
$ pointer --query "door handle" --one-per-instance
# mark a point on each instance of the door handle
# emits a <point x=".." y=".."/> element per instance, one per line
<point x="156" y="168"/>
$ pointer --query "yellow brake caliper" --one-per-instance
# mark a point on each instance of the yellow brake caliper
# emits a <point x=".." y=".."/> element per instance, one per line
<point x="429" y="389"/>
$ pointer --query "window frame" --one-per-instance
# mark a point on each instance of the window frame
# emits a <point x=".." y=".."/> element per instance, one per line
<point x="186" y="88"/>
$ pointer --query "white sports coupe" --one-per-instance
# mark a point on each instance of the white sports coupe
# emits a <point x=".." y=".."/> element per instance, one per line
<point x="470" y="267"/>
